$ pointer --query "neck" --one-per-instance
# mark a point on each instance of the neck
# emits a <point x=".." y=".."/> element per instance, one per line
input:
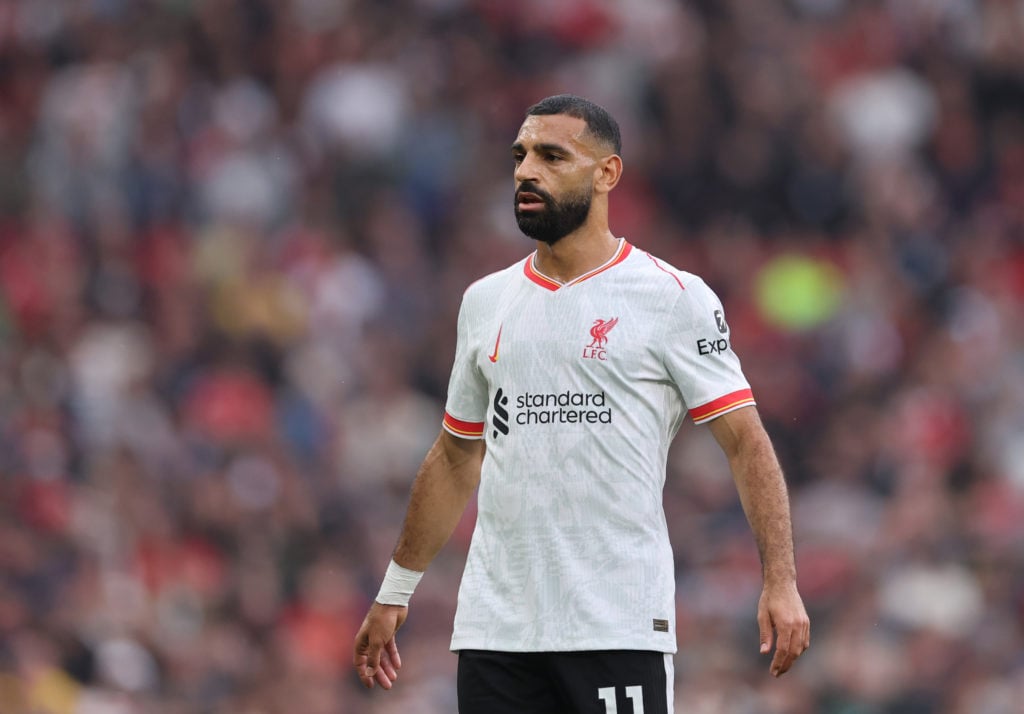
<point x="575" y="254"/>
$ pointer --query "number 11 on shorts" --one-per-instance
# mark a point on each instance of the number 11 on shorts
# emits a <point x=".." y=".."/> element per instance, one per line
<point x="611" y="706"/>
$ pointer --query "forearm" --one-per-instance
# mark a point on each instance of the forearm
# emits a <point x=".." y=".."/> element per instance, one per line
<point x="765" y="500"/>
<point x="444" y="484"/>
<point x="762" y="490"/>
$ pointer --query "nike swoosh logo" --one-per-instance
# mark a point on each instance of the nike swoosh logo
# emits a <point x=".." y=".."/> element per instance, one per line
<point x="493" y="357"/>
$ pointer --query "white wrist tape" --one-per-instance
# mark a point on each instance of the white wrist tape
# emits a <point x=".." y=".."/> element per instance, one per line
<point x="398" y="585"/>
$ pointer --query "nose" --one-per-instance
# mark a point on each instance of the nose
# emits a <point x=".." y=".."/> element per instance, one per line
<point x="525" y="170"/>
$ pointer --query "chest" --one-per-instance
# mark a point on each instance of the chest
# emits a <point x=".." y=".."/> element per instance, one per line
<point x="570" y="335"/>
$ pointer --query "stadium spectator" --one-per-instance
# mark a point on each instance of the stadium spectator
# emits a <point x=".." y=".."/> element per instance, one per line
<point x="214" y="216"/>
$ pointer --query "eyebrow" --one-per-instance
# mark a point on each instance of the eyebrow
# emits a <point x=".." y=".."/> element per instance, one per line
<point x="547" y="147"/>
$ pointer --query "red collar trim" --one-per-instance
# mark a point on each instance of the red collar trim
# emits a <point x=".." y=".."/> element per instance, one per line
<point x="531" y="272"/>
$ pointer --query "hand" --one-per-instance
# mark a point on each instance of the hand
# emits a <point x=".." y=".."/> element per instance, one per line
<point x="375" y="651"/>
<point x="781" y="612"/>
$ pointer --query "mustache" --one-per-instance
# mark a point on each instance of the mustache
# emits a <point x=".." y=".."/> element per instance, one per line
<point x="530" y="187"/>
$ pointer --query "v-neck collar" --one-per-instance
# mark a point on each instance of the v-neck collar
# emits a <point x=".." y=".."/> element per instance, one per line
<point x="534" y="275"/>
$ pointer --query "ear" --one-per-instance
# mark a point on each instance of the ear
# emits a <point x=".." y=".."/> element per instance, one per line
<point x="607" y="173"/>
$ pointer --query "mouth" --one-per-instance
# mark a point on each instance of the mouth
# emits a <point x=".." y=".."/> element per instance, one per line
<point x="526" y="201"/>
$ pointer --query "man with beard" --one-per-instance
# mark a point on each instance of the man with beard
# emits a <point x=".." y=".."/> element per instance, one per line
<point x="573" y="371"/>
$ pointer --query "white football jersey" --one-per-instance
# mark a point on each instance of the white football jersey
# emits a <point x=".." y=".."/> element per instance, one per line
<point x="578" y="390"/>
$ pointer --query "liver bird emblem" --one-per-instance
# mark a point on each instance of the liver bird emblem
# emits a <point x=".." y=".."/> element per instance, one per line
<point x="600" y="331"/>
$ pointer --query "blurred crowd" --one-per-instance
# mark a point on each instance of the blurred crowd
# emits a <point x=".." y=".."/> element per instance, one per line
<point x="233" y="239"/>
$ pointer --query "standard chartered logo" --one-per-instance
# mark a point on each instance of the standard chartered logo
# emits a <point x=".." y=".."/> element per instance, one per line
<point x="545" y="408"/>
<point x="500" y="419"/>
<point x="563" y="408"/>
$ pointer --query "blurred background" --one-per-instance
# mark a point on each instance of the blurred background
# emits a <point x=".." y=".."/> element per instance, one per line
<point x="233" y="239"/>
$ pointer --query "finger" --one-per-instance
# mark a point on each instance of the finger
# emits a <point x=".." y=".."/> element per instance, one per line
<point x="382" y="676"/>
<point x="361" y="670"/>
<point x="785" y="654"/>
<point x="764" y="625"/>
<point x="383" y="680"/>
<point x="367" y="679"/>
<point x="387" y="665"/>
<point x="781" y="663"/>
<point x="359" y="659"/>
<point x="373" y="651"/>
<point x="392" y="650"/>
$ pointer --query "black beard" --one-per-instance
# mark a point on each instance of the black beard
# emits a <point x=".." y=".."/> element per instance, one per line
<point x="557" y="220"/>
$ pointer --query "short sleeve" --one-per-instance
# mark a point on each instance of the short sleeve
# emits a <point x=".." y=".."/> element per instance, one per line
<point x="700" y="358"/>
<point x="466" y="407"/>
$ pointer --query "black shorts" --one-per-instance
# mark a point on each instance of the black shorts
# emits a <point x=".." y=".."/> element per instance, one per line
<point x="600" y="682"/>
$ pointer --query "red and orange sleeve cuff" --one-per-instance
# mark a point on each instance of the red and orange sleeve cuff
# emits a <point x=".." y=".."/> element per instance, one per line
<point x="718" y="407"/>
<point x="463" y="429"/>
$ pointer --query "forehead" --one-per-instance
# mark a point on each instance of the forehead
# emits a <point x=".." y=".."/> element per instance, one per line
<point x="555" y="129"/>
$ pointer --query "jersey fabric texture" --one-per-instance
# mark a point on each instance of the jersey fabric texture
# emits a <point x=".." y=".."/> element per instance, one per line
<point x="578" y="390"/>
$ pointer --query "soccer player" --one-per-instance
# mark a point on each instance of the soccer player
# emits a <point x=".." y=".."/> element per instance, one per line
<point x="573" y="371"/>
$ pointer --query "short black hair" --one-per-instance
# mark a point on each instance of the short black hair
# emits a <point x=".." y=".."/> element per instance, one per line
<point x="599" y="122"/>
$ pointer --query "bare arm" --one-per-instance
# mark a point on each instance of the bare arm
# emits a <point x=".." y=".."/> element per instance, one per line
<point x="444" y="484"/>
<point x="762" y="491"/>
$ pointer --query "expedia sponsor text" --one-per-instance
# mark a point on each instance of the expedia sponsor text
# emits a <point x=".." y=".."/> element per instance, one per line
<point x="711" y="347"/>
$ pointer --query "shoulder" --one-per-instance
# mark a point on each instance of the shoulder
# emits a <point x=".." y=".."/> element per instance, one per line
<point x="488" y="289"/>
<point x="683" y="298"/>
<point x="494" y="282"/>
<point x="662" y="275"/>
